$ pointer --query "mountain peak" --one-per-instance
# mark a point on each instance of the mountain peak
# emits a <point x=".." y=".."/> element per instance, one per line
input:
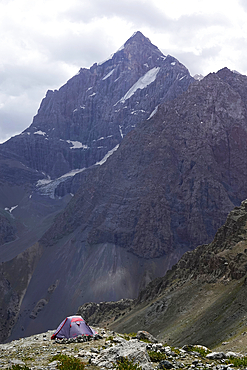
<point x="140" y="39"/>
<point x="137" y="37"/>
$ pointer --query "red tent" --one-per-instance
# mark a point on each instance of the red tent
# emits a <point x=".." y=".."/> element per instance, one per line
<point x="71" y="327"/>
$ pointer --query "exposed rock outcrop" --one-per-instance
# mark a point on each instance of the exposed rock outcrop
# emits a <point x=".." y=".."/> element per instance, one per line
<point x="7" y="230"/>
<point x="104" y="312"/>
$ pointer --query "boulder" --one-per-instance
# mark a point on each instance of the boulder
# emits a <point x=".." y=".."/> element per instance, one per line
<point x="144" y="335"/>
<point x="216" y="356"/>
<point x="133" y="350"/>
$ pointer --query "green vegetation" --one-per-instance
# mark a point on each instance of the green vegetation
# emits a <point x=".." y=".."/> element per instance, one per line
<point x="238" y="362"/>
<point x="19" y="367"/>
<point x="68" y="363"/>
<point x="176" y="350"/>
<point x="129" y="336"/>
<point x="125" y="364"/>
<point x="156" y="356"/>
<point x="199" y="350"/>
<point x="110" y="338"/>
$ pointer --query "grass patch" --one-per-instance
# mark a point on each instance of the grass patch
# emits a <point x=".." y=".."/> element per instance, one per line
<point x="129" y="336"/>
<point x="68" y="363"/>
<point x="175" y="350"/>
<point x="125" y="364"/>
<point x="156" y="356"/>
<point x="238" y="362"/>
<point x="203" y="352"/>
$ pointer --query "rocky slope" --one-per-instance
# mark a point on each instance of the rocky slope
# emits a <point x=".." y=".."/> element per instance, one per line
<point x="106" y="349"/>
<point x="202" y="299"/>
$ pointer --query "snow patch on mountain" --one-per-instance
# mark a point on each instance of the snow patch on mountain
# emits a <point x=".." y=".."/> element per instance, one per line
<point x="109" y="58"/>
<point x="108" y="75"/>
<point x="103" y="160"/>
<point x="142" y="83"/>
<point x="153" y="112"/>
<point x="76" y="145"/>
<point x="40" y="133"/>
<point x="10" y="209"/>
<point x="121" y="132"/>
<point x="48" y="186"/>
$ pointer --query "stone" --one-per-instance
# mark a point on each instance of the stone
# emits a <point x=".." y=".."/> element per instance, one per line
<point x="233" y="354"/>
<point x="165" y="365"/>
<point x="142" y="334"/>
<point x="16" y="362"/>
<point x="132" y="350"/>
<point x="216" y="356"/>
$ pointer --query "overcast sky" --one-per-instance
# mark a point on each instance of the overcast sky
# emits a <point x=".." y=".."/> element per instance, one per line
<point x="43" y="43"/>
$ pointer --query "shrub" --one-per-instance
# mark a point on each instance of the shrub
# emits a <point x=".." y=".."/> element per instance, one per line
<point x="19" y="367"/>
<point x="238" y="362"/>
<point x="125" y="364"/>
<point x="199" y="350"/>
<point x="68" y="363"/>
<point x="110" y="338"/>
<point x="129" y="336"/>
<point x="156" y="356"/>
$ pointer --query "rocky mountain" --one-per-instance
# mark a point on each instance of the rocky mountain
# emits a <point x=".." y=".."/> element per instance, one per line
<point x="77" y="127"/>
<point x="202" y="299"/>
<point x="173" y="180"/>
<point x="80" y="123"/>
<point x="110" y="229"/>
<point x="167" y="189"/>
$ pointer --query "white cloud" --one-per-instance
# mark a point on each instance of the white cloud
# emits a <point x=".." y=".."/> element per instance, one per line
<point x="44" y="43"/>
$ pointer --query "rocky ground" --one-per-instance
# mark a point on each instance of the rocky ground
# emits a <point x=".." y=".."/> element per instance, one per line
<point x="102" y="352"/>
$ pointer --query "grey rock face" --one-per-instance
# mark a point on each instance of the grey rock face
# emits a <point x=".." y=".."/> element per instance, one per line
<point x="133" y="350"/>
<point x="77" y="125"/>
<point x="173" y="179"/>
<point x="103" y="312"/>
<point x="216" y="355"/>
<point x="144" y="335"/>
<point x="7" y="230"/>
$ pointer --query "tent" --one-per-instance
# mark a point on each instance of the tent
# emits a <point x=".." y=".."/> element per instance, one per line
<point x="71" y="327"/>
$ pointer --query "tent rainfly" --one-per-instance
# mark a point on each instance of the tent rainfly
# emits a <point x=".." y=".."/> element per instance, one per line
<point x="71" y="327"/>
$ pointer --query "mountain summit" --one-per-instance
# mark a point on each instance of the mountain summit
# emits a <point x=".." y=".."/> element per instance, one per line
<point x="77" y="125"/>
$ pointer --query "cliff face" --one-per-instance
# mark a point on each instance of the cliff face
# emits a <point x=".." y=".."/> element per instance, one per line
<point x="173" y="180"/>
<point x="80" y="123"/>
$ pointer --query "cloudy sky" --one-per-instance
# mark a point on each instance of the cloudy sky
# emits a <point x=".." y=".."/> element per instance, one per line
<point x="45" y="42"/>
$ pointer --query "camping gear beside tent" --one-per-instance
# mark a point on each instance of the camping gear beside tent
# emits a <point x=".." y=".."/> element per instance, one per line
<point x="71" y="327"/>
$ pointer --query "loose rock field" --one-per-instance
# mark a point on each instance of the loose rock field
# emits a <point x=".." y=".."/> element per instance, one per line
<point x="102" y="352"/>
